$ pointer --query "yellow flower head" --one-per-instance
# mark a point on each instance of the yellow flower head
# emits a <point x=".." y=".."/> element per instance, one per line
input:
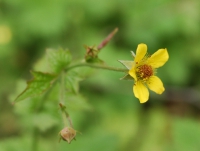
<point x="142" y="70"/>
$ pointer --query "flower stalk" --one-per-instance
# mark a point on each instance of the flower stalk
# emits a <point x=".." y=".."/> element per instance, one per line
<point x="65" y="116"/>
<point x="97" y="66"/>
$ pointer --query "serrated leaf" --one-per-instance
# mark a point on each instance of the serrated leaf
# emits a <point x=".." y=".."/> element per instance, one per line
<point x="38" y="85"/>
<point x="72" y="81"/>
<point x="58" y="59"/>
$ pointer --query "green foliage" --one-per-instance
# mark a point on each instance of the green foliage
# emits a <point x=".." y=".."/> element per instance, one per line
<point x="68" y="86"/>
<point x="58" y="59"/>
<point x="117" y="121"/>
<point x="38" y="85"/>
<point x="72" y="80"/>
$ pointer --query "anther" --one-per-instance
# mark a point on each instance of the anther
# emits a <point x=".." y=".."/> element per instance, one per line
<point x="144" y="72"/>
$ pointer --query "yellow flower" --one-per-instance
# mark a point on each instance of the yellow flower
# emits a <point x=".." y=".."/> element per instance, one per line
<point x="143" y="69"/>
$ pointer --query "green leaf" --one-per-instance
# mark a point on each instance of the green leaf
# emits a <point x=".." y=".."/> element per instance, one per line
<point x="38" y="85"/>
<point x="72" y="82"/>
<point x="58" y="59"/>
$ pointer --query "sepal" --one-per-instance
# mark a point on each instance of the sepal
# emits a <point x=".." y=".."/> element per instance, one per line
<point x="127" y="77"/>
<point x="127" y="64"/>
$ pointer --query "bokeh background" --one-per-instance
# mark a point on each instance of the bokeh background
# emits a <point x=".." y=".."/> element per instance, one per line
<point x="117" y="121"/>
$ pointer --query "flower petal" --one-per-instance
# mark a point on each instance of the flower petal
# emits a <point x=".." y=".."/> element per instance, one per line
<point x="141" y="92"/>
<point x="159" y="58"/>
<point x="155" y="84"/>
<point x="127" y="64"/>
<point x="132" y="73"/>
<point x="140" y="52"/>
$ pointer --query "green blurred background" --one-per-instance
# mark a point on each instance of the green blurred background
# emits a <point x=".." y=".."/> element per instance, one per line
<point x="117" y="121"/>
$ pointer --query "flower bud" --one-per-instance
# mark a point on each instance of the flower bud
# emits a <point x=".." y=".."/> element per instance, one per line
<point x="68" y="134"/>
<point x="91" y="54"/>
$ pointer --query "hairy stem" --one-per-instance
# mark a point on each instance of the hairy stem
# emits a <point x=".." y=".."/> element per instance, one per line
<point x="62" y="87"/>
<point x="97" y="66"/>
<point x="65" y="114"/>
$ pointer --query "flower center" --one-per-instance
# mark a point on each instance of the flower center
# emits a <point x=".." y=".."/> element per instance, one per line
<point x="143" y="72"/>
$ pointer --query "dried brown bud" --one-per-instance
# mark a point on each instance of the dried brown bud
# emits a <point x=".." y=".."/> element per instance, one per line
<point x="68" y="134"/>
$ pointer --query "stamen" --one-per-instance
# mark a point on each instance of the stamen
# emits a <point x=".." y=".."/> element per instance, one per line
<point x="144" y="72"/>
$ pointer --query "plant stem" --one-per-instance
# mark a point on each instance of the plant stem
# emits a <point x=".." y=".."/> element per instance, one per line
<point x="97" y="66"/>
<point x="35" y="140"/>
<point x="64" y="119"/>
<point x="62" y="97"/>
<point x="36" y="131"/>
<point x="65" y="114"/>
<point x="62" y="87"/>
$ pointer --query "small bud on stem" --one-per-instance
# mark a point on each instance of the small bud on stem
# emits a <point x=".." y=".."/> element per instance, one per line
<point x="68" y="134"/>
<point x="92" y="52"/>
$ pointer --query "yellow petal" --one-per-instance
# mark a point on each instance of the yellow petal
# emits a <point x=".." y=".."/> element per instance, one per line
<point x="155" y="84"/>
<point x="140" y="52"/>
<point x="141" y="92"/>
<point x="132" y="73"/>
<point x="159" y="58"/>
